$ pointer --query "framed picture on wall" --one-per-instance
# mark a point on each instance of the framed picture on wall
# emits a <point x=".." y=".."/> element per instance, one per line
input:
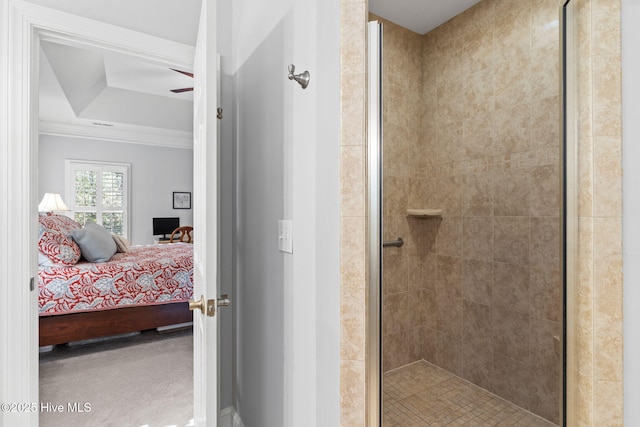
<point x="181" y="200"/>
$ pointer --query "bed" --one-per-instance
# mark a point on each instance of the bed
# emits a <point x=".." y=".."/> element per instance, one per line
<point x="136" y="288"/>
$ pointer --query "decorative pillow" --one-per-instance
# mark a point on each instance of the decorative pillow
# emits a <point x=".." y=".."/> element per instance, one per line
<point x="60" y="223"/>
<point x="58" y="248"/>
<point x="122" y="243"/>
<point x="96" y="243"/>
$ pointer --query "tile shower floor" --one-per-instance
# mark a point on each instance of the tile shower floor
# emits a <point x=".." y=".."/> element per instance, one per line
<point x="421" y="394"/>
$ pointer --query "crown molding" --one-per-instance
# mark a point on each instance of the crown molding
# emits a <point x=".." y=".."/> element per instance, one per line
<point x="66" y="28"/>
<point x="159" y="137"/>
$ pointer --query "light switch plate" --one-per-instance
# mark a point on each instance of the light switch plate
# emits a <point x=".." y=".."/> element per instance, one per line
<point x="285" y="236"/>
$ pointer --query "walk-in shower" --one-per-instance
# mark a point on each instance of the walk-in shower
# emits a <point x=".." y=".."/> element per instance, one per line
<point x="467" y="176"/>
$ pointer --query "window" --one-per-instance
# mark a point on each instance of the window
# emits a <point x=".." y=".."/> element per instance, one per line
<point x="99" y="192"/>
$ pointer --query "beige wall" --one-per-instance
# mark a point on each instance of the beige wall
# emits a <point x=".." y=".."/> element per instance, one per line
<point x="353" y="214"/>
<point x="405" y="297"/>
<point x="599" y="288"/>
<point x="599" y="295"/>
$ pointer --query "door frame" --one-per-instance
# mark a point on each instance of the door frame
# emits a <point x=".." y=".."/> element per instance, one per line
<point x="24" y="25"/>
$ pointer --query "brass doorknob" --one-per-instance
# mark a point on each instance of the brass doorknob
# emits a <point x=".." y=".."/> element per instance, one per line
<point x="198" y="305"/>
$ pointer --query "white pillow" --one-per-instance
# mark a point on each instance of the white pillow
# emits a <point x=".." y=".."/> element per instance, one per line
<point x="96" y="243"/>
<point x="122" y="243"/>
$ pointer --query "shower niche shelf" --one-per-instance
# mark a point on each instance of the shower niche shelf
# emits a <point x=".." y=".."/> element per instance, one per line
<point x="424" y="213"/>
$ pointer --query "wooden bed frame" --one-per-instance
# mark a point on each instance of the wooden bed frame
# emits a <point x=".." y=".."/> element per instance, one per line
<point x="64" y="328"/>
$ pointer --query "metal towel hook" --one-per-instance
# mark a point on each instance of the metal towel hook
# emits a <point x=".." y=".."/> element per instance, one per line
<point x="302" y="78"/>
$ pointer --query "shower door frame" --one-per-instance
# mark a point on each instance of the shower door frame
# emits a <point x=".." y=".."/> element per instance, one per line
<point x="374" y="232"/>
<point x="568" y="221"/>
<point x="569" y="205"/>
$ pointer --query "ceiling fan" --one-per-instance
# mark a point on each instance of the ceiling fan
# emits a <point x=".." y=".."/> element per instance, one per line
<point x="186" y="89"/>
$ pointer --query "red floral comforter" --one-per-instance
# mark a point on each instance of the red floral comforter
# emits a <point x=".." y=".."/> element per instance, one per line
<point x="146" y="275"/>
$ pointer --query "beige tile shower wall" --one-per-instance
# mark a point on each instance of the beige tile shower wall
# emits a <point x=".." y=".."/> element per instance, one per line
<point x="491" y="264"/>
<point x="599" y="288"/>
<point x="404" y="312"/>
<point x="353" y="302"/>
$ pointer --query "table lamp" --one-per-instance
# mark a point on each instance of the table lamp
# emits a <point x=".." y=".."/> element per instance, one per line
<point x="52" y="202"/>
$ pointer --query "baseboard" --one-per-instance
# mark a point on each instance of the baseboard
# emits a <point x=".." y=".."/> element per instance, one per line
<point x="230" y="418"/>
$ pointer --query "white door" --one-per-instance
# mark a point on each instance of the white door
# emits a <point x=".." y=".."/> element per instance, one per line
<point x="205" y="219"/>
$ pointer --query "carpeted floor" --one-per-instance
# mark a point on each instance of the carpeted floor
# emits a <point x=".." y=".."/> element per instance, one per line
<point x="145" y="380"/>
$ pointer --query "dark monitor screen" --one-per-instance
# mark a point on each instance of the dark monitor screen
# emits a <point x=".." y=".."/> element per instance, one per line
<point x="165" y="226"/>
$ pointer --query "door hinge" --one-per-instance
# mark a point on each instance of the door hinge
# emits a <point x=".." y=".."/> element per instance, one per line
<point x="32" y="284"/>
<point x="219" y="113"/>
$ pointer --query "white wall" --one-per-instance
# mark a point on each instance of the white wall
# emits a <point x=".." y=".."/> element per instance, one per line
<point x="156" y="172"/>
<point x="288" y="148"/>
<point x="327" y="195"/>
<point x="631" y="208"/>
<point x="260" y="203"/>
